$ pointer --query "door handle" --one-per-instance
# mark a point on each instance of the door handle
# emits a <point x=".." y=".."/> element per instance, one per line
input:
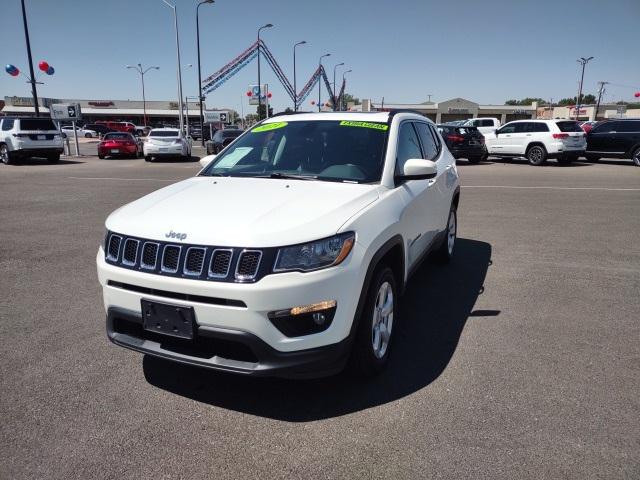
<point x="528" y="134"/>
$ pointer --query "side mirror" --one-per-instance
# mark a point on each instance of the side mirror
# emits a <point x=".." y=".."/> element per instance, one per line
<point x="496" y="131"/>
<point x="204" y="161"/>
<point x="418" y="169"/>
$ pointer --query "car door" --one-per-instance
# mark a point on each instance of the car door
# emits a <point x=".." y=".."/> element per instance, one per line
<point x="627" y="136"/>
<point x="601" y="139"/>
<point x="500" y="142"/>
<point x="418" y="221"/>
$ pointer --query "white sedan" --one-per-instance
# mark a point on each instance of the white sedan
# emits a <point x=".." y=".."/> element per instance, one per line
<point x="68" y="132"/>
<point x="166" y="142"/>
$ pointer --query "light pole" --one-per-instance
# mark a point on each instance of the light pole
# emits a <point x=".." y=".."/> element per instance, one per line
<point x="344" y="104"/>
<point x="335" y="99"/>
<point x="186" y="104"/>
<point x="32" y="80"/>
<point x="201" y="96"/>
<point x="138" y="68"/>
<point x="319" y="75"/>
<point x="582" y="61"/>
<point x="295" y="88"/>
<point x="180" y="106"/>
<point x="268" y="25"/>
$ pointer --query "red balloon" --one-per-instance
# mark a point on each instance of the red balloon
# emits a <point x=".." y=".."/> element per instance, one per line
<point x="249" y="93"/>
<point x="44" y="66"/>
<point x="313" y="102"/>
<point x="637" y="94"/>
<point x="269" y="95"/>
<point x="15" y="73"/>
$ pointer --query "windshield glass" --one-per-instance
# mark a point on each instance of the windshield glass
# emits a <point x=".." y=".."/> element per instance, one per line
<point x="569" y="126"/>
<point x="163" y="133"/>
<point x="37" y="124"/>
<point x="117" y="136"/>
<point x="319" y="149"/>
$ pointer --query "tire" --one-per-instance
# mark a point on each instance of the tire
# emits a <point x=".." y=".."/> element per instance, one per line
<point x="5" y="155"/>
<point x="101" y="157"/>
<point x="373" y="340"/>
<point x="148" y="158"/>
<point x="474" y="160"/>
<point x="445" y="251"/>
<point x="88" y="135"/>
<point x="537" y="155"/>
<point x="55" y="158"/>
<point x="635" y="156"/>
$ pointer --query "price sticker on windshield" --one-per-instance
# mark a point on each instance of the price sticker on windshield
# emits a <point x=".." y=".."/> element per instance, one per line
<point x="269" y="126"/>
<point x="375" y="126"/>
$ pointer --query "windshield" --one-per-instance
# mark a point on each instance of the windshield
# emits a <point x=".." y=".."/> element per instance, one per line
<point x="569" y="126"/>
<point x="163" y="133"/>
<point x="319" y="150"/>
<point x="37" y="124"/>
<point x="117" y="136"/>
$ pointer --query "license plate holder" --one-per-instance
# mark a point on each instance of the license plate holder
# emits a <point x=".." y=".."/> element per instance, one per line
<point x="115" y="150"/>
<point x="164" y="149"/>
<point x="167" y="319"/>
<point x="42" y="137"/>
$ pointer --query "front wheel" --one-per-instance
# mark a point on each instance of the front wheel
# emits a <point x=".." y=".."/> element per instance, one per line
<point x="636" y="157"/>
<point x="148" y="158"/>
<point x="537" y="155"/>
<point x="375" y="328"/>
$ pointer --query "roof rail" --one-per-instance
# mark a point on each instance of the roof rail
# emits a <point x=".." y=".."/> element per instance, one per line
<point x="287" y="113"/>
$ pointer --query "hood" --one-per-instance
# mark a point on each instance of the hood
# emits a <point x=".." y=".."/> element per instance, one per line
<point x="243" y="212"/>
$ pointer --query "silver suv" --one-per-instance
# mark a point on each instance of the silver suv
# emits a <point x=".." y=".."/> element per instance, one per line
<point x="29" y="137"/>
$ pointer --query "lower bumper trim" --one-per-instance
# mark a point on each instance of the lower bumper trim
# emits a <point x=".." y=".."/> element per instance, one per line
<point x="228" y="350"/>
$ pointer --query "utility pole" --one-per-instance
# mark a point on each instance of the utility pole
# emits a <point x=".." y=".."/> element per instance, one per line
<point x="600" y="93"/>
<point x="32" y="80"/>
<point x="582" y="61"/>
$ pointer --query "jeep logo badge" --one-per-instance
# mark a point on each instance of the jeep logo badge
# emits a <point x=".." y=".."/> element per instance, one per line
<point x="179" y="236"/>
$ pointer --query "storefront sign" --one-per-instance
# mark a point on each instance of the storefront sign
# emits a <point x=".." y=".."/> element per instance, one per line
<point x="101" y="104"/>
<point x="458" y="110"/>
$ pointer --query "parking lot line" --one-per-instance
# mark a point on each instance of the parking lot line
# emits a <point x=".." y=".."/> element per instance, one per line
<point x="126" y="179"/>
<point x="553" y="188"/>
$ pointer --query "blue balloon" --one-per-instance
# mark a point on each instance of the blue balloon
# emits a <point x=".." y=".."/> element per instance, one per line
<point x="10" y="68"/>
<point x="50" y="70"/>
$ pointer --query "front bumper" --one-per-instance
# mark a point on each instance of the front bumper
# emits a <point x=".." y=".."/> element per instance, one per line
<point x="240" y="314"/>
<point x="36" y="152"/>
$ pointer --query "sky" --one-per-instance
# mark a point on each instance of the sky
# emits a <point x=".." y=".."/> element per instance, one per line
<point x="487" y="51"/>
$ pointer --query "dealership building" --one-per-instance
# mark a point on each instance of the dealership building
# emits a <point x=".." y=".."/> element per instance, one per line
<point x="457" y="109"/>
<point x="158" y="112"/>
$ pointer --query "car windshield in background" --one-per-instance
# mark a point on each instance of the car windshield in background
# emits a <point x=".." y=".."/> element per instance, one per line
<point x="163" y="133"/>
<point x="316" y="150"/>
<point x="569" y="126"/>
<point x="231" y="133"/>
<point x="117" y="136"/>
<point x="37" y="124"/>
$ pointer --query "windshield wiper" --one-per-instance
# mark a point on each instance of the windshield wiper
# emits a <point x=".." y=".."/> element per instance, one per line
<point x="291" y="176"/>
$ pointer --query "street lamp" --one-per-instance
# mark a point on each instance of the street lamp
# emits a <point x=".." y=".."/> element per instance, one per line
<point x="32" y="80"/>
<point x="583" y="61"/>
<point x="138" y="68"/>
<point x="335" y="99"/>
<point x="179" y="73"/>
<point x="319" y="72"/>
<point x="268" y="25"/>
<point x="295" y="88"/>
<point x="344" y="104"/>
<point x="200" y="95"/>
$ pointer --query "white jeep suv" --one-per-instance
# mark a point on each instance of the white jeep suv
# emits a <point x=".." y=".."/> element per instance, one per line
<point x="288" y="253"/>
<point x="29" y="137"/>
<point x="538" y="140"/>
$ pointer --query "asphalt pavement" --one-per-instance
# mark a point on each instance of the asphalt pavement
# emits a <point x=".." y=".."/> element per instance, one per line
<point x="521" y="359"/>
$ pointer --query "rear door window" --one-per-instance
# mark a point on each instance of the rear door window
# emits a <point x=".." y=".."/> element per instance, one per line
<point x="537" y="127"/>
<point x="522" y="127"/>
<point x="629" y="126"/>
<point x="7" y="124"/>
<point x="569" y="126"/>
<point x="606" y="127"/>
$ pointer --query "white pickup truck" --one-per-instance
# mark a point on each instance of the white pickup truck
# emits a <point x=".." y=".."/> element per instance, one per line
<point x="484" y="125"/>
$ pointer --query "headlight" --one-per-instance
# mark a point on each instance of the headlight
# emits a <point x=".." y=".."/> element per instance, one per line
<point x="314" y="255"/>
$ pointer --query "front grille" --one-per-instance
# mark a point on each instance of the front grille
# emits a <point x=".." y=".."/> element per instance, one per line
<point x="114" y="247"/>
<point x="130" y="251"/>
<point x="198" y="262"/>
<point x="170" y="258"/>
<point x="220" y="263"/>
<point x="194" y="261"/>
<point x="149" y="255"/>
<point x="248" y="264"/>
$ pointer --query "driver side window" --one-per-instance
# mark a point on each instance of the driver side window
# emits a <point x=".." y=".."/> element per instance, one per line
<point x="408" y="146"/>
<point x="508" y="128"/>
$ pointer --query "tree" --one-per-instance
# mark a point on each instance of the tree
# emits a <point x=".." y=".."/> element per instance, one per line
<point x="288" y="110"/>
<point x="526" y="101"/>
<point x="261" y="110"/>
<point x="251" y="118"/>
<point x="587" y="99"/>
<point x="348" y="98"/>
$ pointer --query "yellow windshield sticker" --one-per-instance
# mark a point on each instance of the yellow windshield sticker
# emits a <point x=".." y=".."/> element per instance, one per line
<point x="376" y="126"/>
<point x="269" y="126"/>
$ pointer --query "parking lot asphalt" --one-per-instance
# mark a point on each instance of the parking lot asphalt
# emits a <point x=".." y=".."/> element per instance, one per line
<point x="521" y="359"/>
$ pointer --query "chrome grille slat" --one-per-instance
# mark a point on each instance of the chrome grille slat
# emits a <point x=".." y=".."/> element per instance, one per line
<point x="220" y="263"/>
<point x="149" y="257"/>
<point x="248" y="265"/>
<point x="171" y="258"/>
<point x="194" y="261"/>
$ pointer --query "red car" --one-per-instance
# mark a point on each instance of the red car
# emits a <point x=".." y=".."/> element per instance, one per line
<point x="118" y="126"/>
<point x="117" y="144"/>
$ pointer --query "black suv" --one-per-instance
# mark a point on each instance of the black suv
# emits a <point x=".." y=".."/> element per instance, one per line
<point x="221" y="139"/>
<point x="464" y="142"/>
<point x="614" y="139"/>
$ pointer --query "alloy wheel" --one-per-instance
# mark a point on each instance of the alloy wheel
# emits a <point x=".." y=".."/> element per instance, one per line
<point x="382" y="320"/>
<point x="451" y="232"/>
<point x="4" y="154"/>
